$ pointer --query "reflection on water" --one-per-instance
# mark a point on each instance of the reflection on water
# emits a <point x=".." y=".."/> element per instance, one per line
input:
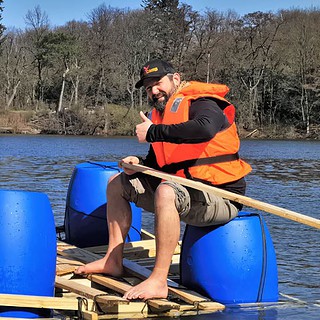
<point x="285" y="173"/>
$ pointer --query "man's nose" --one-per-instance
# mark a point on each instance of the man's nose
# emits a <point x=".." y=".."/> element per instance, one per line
<point x="155" y="90"/>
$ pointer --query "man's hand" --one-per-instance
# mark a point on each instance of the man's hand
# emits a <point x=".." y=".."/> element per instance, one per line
<point x="142" y="128"/>
<point x="130" y="160"/>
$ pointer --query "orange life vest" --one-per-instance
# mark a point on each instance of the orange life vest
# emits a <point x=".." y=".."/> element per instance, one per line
<point x="215" y="161"/>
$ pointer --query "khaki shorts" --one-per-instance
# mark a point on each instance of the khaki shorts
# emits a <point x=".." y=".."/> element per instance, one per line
<point x="195" y="207"/>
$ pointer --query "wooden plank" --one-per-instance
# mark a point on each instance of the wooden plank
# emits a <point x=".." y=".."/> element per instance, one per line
<point x="122" y="287"/>
<point x="142" y="244"/>
<point x="138" y="253"/>
<point x="89" y="315"/>
<point x="137" y="249"/>
<point x="86" y="257"/>
<point x="126" y="311"/>
<point x="64" y="269"/>
<point x="66" y="265"/>
<point x="28" y="301"/>
<point x="151" y="260"/>
<point x="75" y="253"/>
<point x="111" y="283"/>
<point x="138" y="307"/>
<point x="106" y="302"/>
<point x="175" y="289"/>
<point x="68" y="261"/>
<point x="133" y="253"/>
<point x="99" y="296"/>
<point x="143" y="248"/>
<point x="281" y="212"/>
<point x="143" y="273"/>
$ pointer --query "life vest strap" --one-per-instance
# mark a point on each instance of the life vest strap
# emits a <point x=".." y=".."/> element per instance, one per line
<point x="176" y="166"/>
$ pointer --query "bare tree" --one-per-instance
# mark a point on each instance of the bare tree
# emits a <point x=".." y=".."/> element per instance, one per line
<point x="305" y="54"/>
<point x="14" y="65"/>
<point x="102" y="50"/>
<point x="133" y="45"/>
<point x="206" y="42"/>
<point x="38" y="26"/>
<point x="253" y="46"/>
<point x="79" y="70"/>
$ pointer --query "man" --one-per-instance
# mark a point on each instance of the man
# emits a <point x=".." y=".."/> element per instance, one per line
<point x="193" y="135"/>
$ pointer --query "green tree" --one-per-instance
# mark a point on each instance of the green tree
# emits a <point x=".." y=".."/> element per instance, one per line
<point x="78" y="35"/>
<point x="171" y="26"/>
<point x="58" y="48"/>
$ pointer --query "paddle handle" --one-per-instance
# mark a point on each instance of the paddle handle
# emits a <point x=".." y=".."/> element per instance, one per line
<point x="281" y="212"/>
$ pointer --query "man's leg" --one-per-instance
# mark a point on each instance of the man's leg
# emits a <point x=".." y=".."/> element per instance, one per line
<point x="167" y="233"/>
<point x="119" y="218"/>
<point x="208" y="209"/>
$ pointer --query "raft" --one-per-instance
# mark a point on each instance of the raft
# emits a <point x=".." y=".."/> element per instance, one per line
<point x="212" y="267"/>
<point x="100" y="297"/>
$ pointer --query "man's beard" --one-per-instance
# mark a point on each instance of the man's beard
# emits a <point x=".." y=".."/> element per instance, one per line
<point x="160" y="105"/>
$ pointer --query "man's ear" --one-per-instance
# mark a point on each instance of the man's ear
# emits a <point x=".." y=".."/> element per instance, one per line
<point x="176" y="79"/>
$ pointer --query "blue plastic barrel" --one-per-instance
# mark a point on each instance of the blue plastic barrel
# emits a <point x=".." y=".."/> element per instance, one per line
<point x="85" y="216"/>
<point x="28" y="249"/>
<point x="233" y="263"/>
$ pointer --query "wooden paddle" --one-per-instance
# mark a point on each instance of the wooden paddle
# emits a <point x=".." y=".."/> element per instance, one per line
<point x="284" y="213"/>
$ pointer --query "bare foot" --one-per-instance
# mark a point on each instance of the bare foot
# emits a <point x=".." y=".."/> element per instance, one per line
<point x="101" y="266"/>
<point x="149" y="288"/>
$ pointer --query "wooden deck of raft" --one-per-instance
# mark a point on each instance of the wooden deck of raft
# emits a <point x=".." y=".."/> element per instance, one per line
<point x="100" y="297"/>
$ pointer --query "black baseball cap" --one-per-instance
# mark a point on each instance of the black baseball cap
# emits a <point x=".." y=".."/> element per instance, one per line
<point x="155" y="68"/>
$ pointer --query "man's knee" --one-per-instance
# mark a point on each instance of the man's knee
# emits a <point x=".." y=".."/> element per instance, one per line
<point x="111" y="178"/>
<point x="179" y="194"/>
<point x="114" y="185"/>
<point x="165" y="192"/>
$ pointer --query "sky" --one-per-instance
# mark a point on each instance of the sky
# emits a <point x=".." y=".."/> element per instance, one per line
<point x="61" y="11"/>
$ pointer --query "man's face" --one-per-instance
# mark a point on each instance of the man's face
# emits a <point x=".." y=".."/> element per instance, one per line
<point x="159" y="92"/>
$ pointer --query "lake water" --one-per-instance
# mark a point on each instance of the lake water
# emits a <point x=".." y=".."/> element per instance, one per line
<point x="285" y="173"/>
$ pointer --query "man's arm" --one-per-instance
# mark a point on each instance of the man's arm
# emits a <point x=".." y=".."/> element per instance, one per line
<point x="206" y="120"/>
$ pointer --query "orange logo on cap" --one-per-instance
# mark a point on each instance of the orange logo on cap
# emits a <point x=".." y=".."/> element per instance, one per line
<point x="147" y="70"/>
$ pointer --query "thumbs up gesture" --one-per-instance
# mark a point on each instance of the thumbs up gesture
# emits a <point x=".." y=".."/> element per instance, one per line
<point x="142" y="128"/>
